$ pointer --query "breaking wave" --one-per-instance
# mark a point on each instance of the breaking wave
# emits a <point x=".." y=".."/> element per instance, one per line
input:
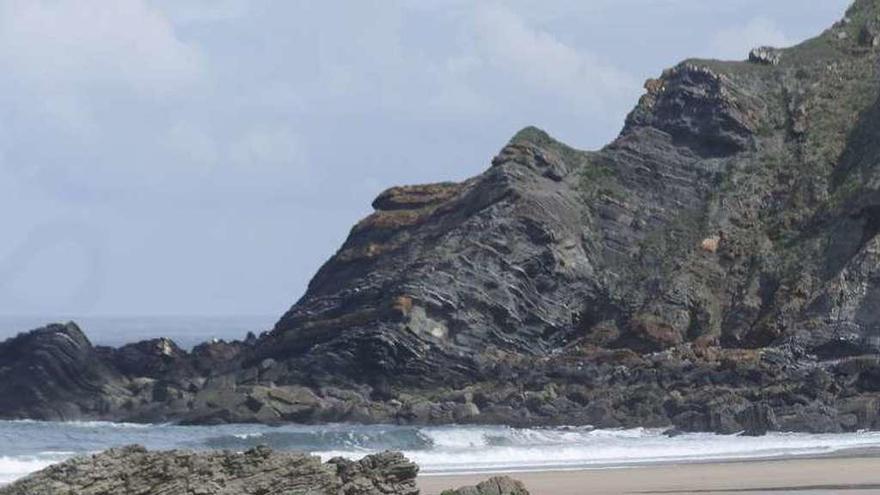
<point x="27" y="446"/>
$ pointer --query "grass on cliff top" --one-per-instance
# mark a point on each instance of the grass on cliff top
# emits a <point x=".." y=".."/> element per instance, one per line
<point x="593" y="177"/>
<point x="574" y="158"/>
<point x="863" y="10"/>
<point x="826" y="46"/>
<point x="539" y="138"/>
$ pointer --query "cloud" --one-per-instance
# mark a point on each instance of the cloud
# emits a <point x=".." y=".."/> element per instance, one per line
<point x="68" y="45"/>
<point x="542" y="61"/>
<point x="736" y="42"/>
<point x="67" y="253"/>
<point x="100" y="81"/>
<point x="164" y="97"/>
<point x="203" y="11"/>
<point x="268" y="147"/>
<point x="193" y="144"/>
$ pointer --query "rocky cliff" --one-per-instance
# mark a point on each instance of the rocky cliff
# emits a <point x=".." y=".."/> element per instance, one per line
<point x="713" y="268"/>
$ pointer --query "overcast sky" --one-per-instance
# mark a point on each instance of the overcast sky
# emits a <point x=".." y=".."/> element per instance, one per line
<point x="187" y="157"/>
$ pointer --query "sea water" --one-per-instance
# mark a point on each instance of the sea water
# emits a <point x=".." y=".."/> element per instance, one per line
<point x="27" y="446"/>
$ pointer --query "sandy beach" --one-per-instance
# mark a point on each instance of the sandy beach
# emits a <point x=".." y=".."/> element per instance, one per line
<point x="854" y="473"/>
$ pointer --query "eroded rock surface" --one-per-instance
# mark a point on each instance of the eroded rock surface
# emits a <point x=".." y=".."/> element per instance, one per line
<point x="499" y="485"/>
<point x="765" y="55"/>
<point x="135" y="471"/>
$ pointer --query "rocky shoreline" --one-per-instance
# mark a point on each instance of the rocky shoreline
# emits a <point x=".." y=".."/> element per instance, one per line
<point x="132" y="470"/>
<point x="712" y="269"/>
<point x="686" y="389"/>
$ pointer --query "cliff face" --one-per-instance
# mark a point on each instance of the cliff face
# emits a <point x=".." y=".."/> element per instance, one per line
<point x="738" y="208"/>
<point x="715" y="267"/>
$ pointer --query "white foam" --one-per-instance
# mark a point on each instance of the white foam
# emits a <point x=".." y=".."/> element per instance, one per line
<point x="616" y="449"/>
<point x="108" y="424"/>
<point x="450" y="449"/>
<point x="245" y="436"/>
<point x="12" y="468"/>
<point x="469" y="449"/>
<point x="457" y="437"/>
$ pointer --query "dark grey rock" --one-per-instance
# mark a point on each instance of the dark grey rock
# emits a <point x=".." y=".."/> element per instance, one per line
<point x="56" y="373"/>
<point x="757" y="420"/>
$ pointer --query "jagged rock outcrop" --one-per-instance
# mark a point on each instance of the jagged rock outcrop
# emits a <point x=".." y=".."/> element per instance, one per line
<point x="133" y="470"/>
<point x="52" y="373"/>
<point x="713" y="268"/>
<point x="765" y="55"/>
<point x="499" y="485"/>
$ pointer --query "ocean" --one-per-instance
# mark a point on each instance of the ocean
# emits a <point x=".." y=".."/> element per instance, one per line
<point x="27" y="446"/>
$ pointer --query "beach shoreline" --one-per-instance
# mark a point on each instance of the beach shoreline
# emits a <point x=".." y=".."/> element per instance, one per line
<point x="837" y="472"/>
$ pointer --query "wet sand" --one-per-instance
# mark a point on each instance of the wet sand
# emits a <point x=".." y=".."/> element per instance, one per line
<point x="855" y="473"/>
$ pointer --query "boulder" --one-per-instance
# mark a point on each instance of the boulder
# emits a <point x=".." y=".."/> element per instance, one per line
<point x="765" y="55"/>
<point x="55" y="373"/>
<point x="152" y="358"/>
<point x="499" y="485"/>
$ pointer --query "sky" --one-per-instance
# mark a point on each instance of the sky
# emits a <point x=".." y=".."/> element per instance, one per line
<point x="177" y="157"/>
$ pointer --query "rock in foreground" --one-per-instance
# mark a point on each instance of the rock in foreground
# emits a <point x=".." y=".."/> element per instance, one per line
<point x="135" y="471"/>
<point x="499" y="485"/>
